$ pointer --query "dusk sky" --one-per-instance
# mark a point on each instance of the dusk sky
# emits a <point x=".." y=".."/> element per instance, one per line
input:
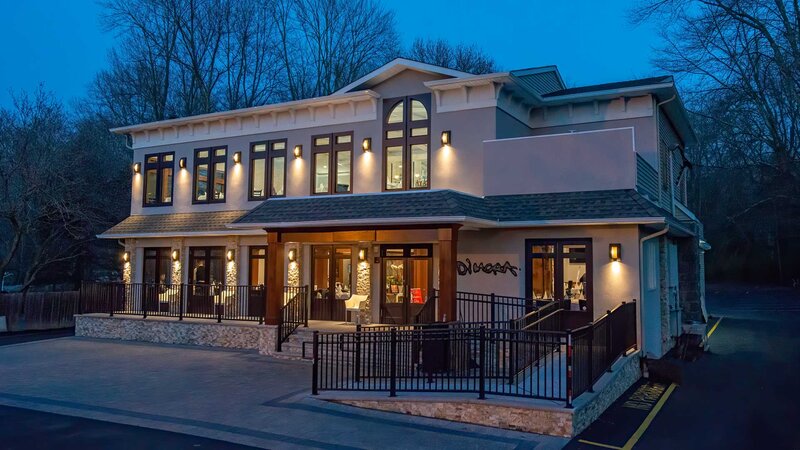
<point x="62" y="44"/>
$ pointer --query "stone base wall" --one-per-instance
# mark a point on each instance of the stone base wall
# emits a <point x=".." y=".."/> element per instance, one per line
<point x="172" y="331"/>
<point x="551" y="421"/>
<point x="533" y="417"/>
<point x="626" y="372"/>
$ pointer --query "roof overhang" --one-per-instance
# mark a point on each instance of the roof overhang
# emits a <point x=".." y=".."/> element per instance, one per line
<point x="175" y="234"/>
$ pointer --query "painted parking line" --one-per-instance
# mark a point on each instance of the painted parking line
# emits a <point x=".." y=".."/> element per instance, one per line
<point x="634" y="413"/>
<point x="714" y="328"/>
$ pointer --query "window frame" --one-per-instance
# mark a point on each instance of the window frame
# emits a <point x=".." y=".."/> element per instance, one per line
<point x="558" y="268"/>
<point x="332" y="148"/>
<point x="407" y="140"/>
<point x="159" y="166"/>
<point x="159" y="255"/>
<point x="268" y="155"/>
<point x="211" y="161"/>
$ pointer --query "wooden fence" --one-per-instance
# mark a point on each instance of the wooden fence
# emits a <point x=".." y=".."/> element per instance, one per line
<point x="39" y="310"/>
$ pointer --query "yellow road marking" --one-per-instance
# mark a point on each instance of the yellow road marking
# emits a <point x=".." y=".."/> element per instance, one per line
<point x="643" y="427"/>
<point x="714" y="328"/>
<point x="599" y="444"/>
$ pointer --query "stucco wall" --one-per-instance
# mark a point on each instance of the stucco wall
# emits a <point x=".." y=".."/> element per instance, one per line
<point x="610" y="288"/>
<point x="572" y="162"/>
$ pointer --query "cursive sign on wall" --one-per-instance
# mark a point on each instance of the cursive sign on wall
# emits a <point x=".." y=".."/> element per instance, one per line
<point x="469" y="268"/>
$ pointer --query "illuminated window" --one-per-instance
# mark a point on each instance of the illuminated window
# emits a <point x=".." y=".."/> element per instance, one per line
<point x="267" y="169"/>
<point x="406" y="143"/>
<point x="158" y="170"/>
<point x="332" y="164"/>
<point x="210" y="168"/>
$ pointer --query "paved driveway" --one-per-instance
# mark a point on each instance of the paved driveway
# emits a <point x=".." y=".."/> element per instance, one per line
<point x="236" y="396"/>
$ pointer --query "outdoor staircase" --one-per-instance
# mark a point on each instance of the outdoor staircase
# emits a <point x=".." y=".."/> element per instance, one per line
<point x="292" y="348"/>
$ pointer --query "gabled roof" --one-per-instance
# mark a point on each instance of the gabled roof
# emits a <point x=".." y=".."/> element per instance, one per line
<point x="394" y="67"/>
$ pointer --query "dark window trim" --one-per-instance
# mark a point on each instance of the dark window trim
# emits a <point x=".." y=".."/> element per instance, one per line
<point x="332" y="148"/>
<point x="558" y="244"/>
<point x="253" y="256"/>
<point x="207" y="259"/>
<point x="161" y="254"/>
<point x="406" y="250"/>
<point x="211" y="160"/>
<point x="268" y="155"/>
<point x="159" y="166"/>
<point x="406" y="141"/>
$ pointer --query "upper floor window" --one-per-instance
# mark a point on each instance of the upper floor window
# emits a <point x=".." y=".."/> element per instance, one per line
<point x="406" y="143"/>
<point x="158" y="170"/>
<point x="210" y="166"/>
<point x="267" y="169"/>
<point x="332" y="163"/>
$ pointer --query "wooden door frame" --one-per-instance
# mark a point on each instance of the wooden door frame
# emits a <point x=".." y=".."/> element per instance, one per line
<point x="558" y="274"/>
<point x="406" y="267"/>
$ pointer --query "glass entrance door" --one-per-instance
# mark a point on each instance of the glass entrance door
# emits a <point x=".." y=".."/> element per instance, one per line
<point x="156" y="278"/>
<point x="560" y="270"/>
<point x="206" y="275"/>
<point x="407" y="282"/>
<point x="332" y="274"/>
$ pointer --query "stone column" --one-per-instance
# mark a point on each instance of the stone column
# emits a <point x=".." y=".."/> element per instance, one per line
<point x="689" y="278"/>
<point x="363" y="285"/>
<point x="663" y="261"/>
<point x="177" y="266"/>
<point x="293" y="274"/>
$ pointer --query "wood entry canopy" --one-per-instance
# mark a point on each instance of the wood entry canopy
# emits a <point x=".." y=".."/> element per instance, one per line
<point x="445" y="235"/>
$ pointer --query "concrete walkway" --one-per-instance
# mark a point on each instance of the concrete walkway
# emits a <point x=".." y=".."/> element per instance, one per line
<point x="236" y="396"/>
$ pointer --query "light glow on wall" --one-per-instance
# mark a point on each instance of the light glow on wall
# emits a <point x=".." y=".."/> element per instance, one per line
<point x="616" y="267"/>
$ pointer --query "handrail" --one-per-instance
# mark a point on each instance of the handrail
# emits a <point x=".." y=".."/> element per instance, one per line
<point x="292" y="314"/>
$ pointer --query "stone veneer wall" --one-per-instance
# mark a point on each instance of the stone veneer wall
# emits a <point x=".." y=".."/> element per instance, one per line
<point x="533" y="418"/>
<point x="363" y="287"/>
<point x="293" y="270"/>
<point x="626" y="372"/>
<point x="172" y="331"/>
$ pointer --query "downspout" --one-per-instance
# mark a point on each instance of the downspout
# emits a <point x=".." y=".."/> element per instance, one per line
<point x="641" y="282"/>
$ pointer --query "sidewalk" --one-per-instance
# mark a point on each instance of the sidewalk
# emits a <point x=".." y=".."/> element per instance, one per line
<point x="236" y="396"/>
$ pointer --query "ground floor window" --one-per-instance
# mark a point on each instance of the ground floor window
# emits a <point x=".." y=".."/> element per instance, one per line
<point x="157" y="265"/>
<point x="560" y="269"/>
<point x="258" y="266"/>
<point x="207" y="265"/>
<point x="332" y="274"/>
<point x="407" y="275"/>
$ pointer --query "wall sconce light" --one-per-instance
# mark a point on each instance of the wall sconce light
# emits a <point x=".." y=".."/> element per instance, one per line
<point x="292" y="255"/>
<point x="615" y="252"/>
<point x="298" y="151"/>
<point x="446" y="137"/>
<point x="237" y="157"/>
<point x="176" y="255"/>
<point x="182" y="163"/>
<point x="137" y="167"/>
<point x="231" y="254"/>
<point x="366" y="144"/>
<point x="126" y="256"/>
<point x="362" y="254"/>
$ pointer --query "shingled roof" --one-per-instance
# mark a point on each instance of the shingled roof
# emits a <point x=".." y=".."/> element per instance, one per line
<point x="442" y="205"/>
<point x="609" y="86"/>
<point x="177" y="224"/>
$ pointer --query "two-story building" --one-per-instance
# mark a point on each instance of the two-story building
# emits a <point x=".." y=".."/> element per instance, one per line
<point x="418" y="179"/>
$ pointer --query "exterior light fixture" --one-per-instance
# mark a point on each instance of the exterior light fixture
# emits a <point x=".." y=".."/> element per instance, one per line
<point x="362" y="254"/>
<point x="182" y="163"/>
<point x="292" y="255"/>
<point x="615" y="252"/>
<point x="298" y="151"/>
<point x="137" y="167"/>
<point x="176" y="255"/>
<point x="366" y="144"/>
<point x="231" y="254"/>
<point x="126" y="256"/>
<point x="446" y="137"/>
<point x="237" y="157"/>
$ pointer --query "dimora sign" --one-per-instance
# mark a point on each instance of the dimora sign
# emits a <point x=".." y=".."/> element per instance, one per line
<point x="472" y="268"/>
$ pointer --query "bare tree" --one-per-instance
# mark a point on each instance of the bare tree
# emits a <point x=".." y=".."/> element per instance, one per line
<point x="466" y="58"/>
<point x="741" y="62"/>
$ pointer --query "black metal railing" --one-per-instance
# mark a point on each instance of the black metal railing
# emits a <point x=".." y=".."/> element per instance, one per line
<point x="541" y="361"/>
<point x="293" y="314"/>
<point x="428" y="312"/>
<point x="201" y="301"/>
<point x="494" y="309"/>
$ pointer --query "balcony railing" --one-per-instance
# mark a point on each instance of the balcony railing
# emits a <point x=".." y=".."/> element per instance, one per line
<point x="199" y="301"/>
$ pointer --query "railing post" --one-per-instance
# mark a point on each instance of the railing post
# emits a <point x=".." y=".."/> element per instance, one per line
<point x="493" y="301"/>
<point x="110" y="300"/>
<point x="181" y="293"/>
<point x="315" y="364"/>
<point x="358" y="353"/>
<point x="143" y="296"/>
<point x="609" y="336"/>
<point x="482" y="362"/>
<point x="221" y="305"/>
<point x="569" y="369"/>
<point x="80" y="299"/>
<point x="512" y="342"/>
<point x="305" y="306"/>
<point x="393" y="363"/>
<point x="590" y="355"/>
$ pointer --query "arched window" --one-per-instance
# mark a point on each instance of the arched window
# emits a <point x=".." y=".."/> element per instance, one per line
<point x="406" y="143"/>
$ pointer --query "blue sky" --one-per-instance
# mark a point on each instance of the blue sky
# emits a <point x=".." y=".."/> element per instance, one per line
<point x="61" y="43"/>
